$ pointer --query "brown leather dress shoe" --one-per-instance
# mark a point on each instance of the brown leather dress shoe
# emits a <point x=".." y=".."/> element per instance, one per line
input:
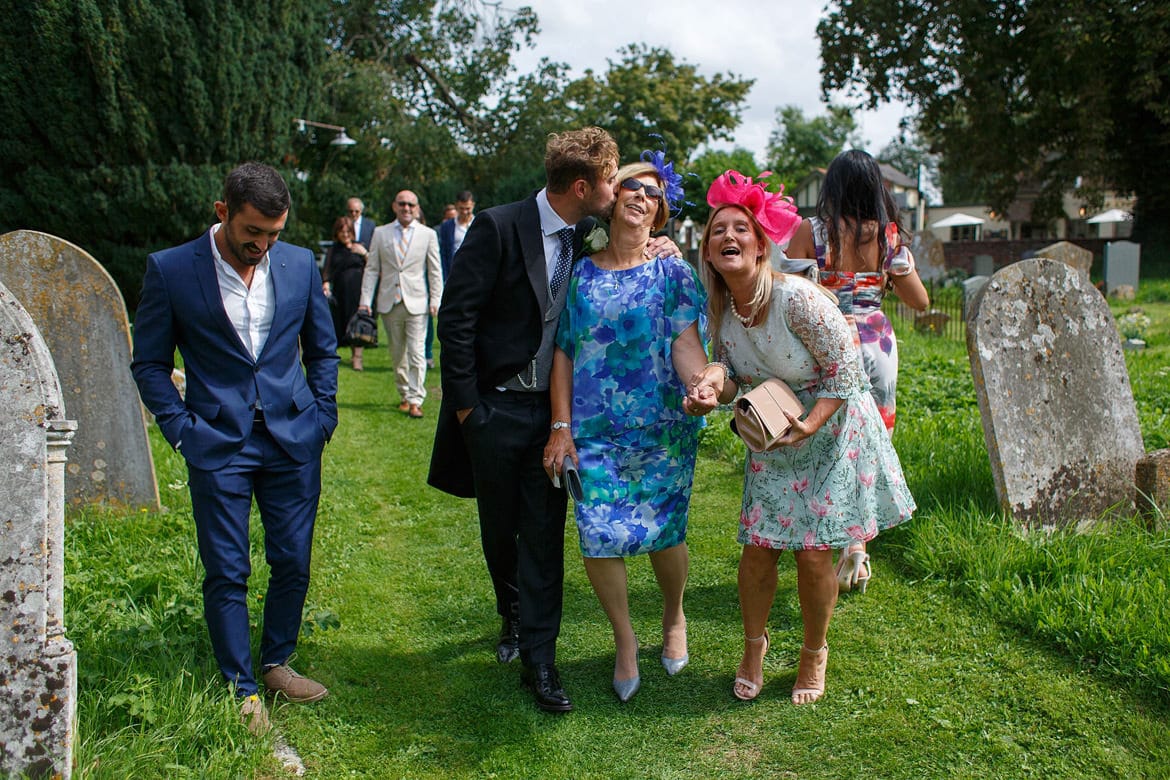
<point x="415" y="411"/>
<point x="404" y="406"/>
<point x="282" y="680"/>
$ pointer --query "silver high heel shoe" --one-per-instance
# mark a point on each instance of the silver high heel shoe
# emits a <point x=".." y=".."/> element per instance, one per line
<point x="625" y="689"/>
<point x="675" y="665"/>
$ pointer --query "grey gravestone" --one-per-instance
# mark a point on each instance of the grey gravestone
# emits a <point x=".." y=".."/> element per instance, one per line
<point x="38" y="667"/>
<point x="1153" y="484"/>
<point x="971" y="287"/>
<point x="983" y="265"/>
<point x="1069" y="254"/>
<point x="929" y="256"/>
<point x="1122" y="263"/>
<point x="81" y="315"/>
<point x="1058" y="412"/>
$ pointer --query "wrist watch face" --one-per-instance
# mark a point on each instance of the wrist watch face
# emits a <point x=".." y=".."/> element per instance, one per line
<point x="559" y="424"/>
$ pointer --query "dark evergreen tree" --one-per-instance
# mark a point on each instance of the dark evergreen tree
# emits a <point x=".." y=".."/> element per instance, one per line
<point x="122" y="116"/>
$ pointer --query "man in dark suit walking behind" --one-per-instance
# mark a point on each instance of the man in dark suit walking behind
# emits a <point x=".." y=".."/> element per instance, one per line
<point x="249" y="318"/>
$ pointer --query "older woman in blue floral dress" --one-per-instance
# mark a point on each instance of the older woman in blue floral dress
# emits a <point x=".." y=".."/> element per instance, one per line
<point x="631" y="328"/>
<point x="833" y="478"/>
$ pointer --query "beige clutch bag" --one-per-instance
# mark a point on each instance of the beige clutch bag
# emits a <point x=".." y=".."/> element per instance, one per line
<point x="759" y="414"/>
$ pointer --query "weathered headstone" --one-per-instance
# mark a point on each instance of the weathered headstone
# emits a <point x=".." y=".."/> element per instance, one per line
<point x="971" y="287"/>
<point x="929" y="256"/>
<point x="38" y="667"/>
<point x="1070" y="254"/>
<point x="1122" y="263"/>
<point x="933" y="322"/>
<point x="81" y="315"/>
<point x="1058" y="413"/>
<point x="1153" y="483"/>
<point x="982" y="265"/>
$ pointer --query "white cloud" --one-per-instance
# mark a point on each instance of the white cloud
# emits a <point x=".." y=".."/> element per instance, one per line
<point x="774" y="43"/>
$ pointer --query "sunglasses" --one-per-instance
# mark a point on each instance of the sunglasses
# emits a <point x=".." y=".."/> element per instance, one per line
<point x="405" y="204"/>
<point x="633" y="185"/>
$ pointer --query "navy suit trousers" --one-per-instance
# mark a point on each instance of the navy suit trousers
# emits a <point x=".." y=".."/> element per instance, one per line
<point x="286" y="494"/>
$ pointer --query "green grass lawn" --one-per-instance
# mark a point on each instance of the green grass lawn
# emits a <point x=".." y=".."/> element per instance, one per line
<point x="978" y="651"/>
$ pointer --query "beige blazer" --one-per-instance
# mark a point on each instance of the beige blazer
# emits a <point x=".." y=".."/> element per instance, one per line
<point x="392" y="275"/>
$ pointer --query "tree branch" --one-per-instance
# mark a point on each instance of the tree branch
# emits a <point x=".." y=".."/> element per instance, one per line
<point x="466" y="119"/>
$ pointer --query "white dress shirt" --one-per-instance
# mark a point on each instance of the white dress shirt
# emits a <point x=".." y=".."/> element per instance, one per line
<point x="250" y="309"/>
<point x="550" y="223"/>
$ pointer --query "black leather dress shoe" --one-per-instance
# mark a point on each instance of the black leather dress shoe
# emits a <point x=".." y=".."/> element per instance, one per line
<point x="508" y="647"/>
<point x="546" y="688"/>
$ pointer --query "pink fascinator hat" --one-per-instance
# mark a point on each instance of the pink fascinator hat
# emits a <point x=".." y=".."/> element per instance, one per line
<point x="775" y="212"/>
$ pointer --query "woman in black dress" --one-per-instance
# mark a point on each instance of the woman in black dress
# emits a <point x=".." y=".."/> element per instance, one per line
<point x="343" y="279"/>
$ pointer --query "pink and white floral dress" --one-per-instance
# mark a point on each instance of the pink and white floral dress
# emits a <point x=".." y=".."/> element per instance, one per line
<point x="844" y="483"/>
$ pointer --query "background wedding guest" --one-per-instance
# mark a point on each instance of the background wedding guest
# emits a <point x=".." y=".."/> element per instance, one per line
<point x="834" y="477"/>
<point x="342" y="274"/>
<point x="363" y="226"/>
<point x="860" y="250"/>
<point x="630" y="329"/>
<point x="403" y="266"/>
<point x="452" y="231"/>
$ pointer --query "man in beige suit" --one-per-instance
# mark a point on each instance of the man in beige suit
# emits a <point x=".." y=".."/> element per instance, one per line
<point x="403" y="256"/>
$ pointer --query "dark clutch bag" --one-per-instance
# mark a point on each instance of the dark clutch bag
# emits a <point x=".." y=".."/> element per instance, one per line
<point x="362" y="330"/>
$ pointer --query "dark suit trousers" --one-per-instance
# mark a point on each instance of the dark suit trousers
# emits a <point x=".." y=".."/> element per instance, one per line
<point x="286" y="493"/>
<point x="521" y="515"/>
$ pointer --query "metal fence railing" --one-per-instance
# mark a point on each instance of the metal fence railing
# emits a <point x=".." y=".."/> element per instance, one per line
<point x="944" y="318"/>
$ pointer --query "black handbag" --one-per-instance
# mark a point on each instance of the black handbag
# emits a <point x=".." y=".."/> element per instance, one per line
<point x="362" y="330"/>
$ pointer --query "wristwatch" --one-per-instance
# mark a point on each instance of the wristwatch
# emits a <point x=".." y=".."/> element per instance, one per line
<point x="560" y="424"/>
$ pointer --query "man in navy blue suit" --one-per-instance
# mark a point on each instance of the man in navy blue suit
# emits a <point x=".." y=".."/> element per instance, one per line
<point x="363" y="226"/>
<point x="248" y="317"/>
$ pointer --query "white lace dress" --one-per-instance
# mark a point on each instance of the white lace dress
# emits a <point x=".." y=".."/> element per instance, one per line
<point x="844" y="483"/>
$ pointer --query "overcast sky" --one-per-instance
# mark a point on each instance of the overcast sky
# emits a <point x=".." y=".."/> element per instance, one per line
<point x="771" y="41"/>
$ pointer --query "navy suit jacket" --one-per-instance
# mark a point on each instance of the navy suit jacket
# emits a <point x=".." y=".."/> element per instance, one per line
<point x="181" y="307"/>
<point x="446" y="246"/>
<point x="367" y="232"/>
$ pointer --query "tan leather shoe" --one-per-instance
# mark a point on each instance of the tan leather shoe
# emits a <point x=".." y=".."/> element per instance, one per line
<point x="404" y="406"/>
<point x="282" y="680"/>
<point x="254" y="715"/>
<point x="415" y="411"/>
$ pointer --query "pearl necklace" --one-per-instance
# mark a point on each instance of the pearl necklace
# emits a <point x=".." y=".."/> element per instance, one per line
<point x="745" y="321"/>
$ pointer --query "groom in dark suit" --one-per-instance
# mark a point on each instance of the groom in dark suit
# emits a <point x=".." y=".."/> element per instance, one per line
<point x="249" y="318"/>
<point x="496" y="324"/>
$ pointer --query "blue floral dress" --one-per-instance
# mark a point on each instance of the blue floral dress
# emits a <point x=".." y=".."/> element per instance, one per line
<point x="635" y="444"/>
<point x="842" y="484"/>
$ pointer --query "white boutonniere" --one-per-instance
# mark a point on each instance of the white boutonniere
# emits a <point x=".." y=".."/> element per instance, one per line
<point x="595" y="240"/>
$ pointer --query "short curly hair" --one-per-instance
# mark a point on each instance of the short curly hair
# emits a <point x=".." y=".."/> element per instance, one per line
<point x="589" y="153"/>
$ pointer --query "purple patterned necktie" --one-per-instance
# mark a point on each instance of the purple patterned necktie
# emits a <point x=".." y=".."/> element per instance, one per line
<point x="564" y="261"/>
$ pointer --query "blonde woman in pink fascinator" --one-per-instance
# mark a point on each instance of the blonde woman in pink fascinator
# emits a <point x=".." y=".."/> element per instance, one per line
<point x="834" y="476"/>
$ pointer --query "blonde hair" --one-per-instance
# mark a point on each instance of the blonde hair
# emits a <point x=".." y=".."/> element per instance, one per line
<point x="718" y="295"/>
<point x="589" y="153"/>
<point x="634" y="170"/>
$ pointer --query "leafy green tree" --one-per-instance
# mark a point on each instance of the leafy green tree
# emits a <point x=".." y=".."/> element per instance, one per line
<point x="121" y="117"/>
<point x="1029" y="91"/>
<point x="799" y="145"/>
<point x="649" y="93"/>
<point x="907" y="151"/>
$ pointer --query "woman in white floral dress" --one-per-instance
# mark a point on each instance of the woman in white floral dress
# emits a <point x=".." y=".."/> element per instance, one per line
<point x="834" y="478"/>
